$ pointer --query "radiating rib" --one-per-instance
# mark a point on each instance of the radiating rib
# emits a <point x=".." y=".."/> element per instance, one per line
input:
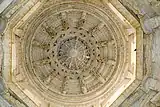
<point x="42" y="61"/>
<point x="96" y="28"/>
<point x="63" y="17"/>
<point x="50" y="77"/>
<point x="42" y="46"/>
<point x="49" y="30"/>
<point x="82" y="20"/>
<point x="105" y="43"/>
<point x="70" y="64"/>
<point x="82" y="85"/>
<point x="63" y="85"/>
<point x="97" y="75"/>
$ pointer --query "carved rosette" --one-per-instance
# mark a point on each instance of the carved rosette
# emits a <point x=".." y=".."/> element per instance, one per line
<point x="73" y="50"/>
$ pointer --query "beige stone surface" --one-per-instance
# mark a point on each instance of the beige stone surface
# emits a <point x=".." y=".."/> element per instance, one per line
<point x="82" y="53"/>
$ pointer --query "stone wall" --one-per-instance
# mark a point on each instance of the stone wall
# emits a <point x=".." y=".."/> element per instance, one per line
<point x="148" y="92"/>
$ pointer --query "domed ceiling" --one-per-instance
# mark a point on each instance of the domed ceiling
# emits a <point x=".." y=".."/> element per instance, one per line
<point x="75" y="53"/>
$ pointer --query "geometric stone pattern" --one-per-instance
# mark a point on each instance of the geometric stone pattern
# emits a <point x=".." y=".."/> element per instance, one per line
<point x="79" y="53"/>
<point x="75" y="52"/>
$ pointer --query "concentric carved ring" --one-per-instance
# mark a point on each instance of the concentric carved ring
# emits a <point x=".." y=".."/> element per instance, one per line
<point x="74" y="49"/>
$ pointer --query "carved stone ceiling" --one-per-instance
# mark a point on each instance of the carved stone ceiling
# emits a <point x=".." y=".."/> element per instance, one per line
<point x="74" y="53"/>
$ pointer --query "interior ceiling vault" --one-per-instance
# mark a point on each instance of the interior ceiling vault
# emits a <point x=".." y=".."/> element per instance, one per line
<point x="76" y="53"/>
